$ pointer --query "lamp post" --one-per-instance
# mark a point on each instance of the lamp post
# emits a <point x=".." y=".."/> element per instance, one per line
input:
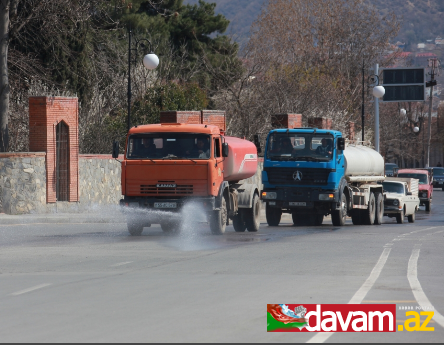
<point x="378" y="91"/>
<point x="150" y="61"/>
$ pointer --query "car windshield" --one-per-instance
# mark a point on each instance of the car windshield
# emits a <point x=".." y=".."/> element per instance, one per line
<point x="438" y="171"/>
<point x="390" y="167"/>
<point x="393" y="187"/>
<point x="300" y="147"/>
<point x="421" y="177"/>
<point x="168" y="146"/>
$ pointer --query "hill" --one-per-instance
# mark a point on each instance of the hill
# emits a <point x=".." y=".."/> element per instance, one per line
<point x="421" y="19"/>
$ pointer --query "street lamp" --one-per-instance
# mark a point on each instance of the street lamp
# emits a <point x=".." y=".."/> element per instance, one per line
<point x="150" y="61"/>
<point x="378" y="92"/>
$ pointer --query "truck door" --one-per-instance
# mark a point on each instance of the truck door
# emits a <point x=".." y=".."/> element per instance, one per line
<point x="218" y="173"/>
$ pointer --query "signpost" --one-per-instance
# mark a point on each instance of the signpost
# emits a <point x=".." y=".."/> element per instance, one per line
<point x="404" y="84"/>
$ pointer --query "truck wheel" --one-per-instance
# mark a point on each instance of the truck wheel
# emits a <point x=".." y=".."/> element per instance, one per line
<point x="273" y="215"/>
<point x="135" y="228"/>
<point x="170" y="227"/>
<point x="338" y="217"/>
<point x="356" y="216"/>
<point x="252" y="215"/>
<point x="400" y="217"/>
<point x="238" y="222"/>
<point x="428" y="205"/>
<point x="412" y="217"/>
<point x="379" y="212"/>
<point x="371" y="210"/>
<point x="218" y="219"/>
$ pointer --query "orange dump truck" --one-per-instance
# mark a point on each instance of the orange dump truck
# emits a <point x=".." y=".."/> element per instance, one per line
<point x="168" y="165"/>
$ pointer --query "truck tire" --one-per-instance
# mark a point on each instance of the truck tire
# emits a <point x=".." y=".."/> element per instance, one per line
<point x="135" y="228"/>
<point x="238" y="222"/>
<point x="379" y="211"/>
<point x="338" y="217"/>
<point x="252" y="215"/>
<point x="370" y="213"/>
<point x="400" y="217"/>
<point x="273" y="215"/>
<point x="356" y="216"/>
<point x="170" y="227"/>
<point x="218" y="219"/>
<point x="412" y="217"/>
<point x="428" y="205"/>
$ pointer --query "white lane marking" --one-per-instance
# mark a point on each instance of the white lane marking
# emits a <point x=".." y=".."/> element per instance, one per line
<point x="434" y="233"/>
<point x="358" y="297"/>
<point x="122" y="263"/>
<point x="420" y="296"/>
<point x="21" y="292"/>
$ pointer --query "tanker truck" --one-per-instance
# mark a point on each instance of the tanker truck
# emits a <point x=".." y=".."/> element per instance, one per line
<point x="311" y="173"/>
<point x="169" y="165"/>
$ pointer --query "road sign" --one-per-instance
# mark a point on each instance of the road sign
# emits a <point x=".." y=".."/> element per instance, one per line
<point x="404" y="84"/>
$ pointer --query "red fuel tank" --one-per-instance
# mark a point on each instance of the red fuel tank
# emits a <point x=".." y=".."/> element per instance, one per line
<point x="241" y="162"/>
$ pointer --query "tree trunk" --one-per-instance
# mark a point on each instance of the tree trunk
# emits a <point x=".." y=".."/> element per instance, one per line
<point x="4" y="82"/>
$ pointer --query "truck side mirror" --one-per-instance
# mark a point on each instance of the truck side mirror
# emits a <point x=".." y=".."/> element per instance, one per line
<point x="224" y="150"/>
<point x="116" y="149"/>
<point x="257" y="143"/>
<point x="341" y="144"/>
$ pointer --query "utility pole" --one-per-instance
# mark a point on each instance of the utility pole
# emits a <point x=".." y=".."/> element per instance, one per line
<point x="376" y="100"/>
<point x="433" y="63"/>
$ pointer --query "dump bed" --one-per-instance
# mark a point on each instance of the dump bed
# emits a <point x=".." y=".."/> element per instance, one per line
<point x="412" y="183"/>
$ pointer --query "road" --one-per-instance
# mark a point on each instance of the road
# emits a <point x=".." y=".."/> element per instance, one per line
<point x="82" y="282"/>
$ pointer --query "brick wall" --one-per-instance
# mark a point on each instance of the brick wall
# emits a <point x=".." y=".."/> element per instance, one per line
<point x="208" y="117"/>
<point x="44" y="115"/>
<point x="320" y="122"/>
<point x="286" y="121"/>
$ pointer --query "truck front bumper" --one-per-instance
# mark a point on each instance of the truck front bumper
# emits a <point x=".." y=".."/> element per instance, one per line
<point x="303" y="199"/>
<point x="158" y="205"/>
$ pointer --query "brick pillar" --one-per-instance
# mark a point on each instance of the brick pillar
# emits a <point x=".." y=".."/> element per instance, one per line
<point x="351" y="130"/>
<point x="286" y="121"/>
<point x="44" y="115"/>
<point x="214" y="117"/>
<point x="320" y="122"/>
<point x="190" y="117"/>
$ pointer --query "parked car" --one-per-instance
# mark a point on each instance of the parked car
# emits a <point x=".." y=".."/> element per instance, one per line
<point x="401" y="198"/>
<point x="389" y="168"/>
<point x="438" y="177"/>
<point x="425" y="184"/>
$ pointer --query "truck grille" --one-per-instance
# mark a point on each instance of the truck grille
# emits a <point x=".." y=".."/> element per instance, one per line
<point x="178" y="190"/>
<point x="308" y="176"/>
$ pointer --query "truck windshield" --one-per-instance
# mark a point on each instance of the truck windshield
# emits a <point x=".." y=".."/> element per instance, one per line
<point x="300" y="147"/>
<point x="438" y="171"/>
<point x="393" y="187"/>
<point x="421" y="177"/>
<point x="168" y="146"/>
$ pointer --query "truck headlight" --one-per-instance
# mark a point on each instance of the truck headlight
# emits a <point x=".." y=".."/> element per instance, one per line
<point x="269" y="195"/>
<point x="326" y="197"/>
<point x="395" y="202"/>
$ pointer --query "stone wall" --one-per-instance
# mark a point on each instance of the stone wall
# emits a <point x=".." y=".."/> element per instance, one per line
<point x="22" y="183"/>
<point x="99" y="180"/>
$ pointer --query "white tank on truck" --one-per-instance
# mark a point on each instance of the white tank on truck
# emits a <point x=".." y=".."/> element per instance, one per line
<point x="362" y="163"/>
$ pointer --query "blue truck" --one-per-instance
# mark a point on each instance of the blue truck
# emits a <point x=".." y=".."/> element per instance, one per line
<point x="312" y="173"/>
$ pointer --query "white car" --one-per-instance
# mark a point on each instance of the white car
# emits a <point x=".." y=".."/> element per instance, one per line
<point x="401" y="198"/>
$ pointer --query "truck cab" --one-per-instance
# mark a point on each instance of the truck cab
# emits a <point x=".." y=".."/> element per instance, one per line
<point x="303" y="170"/>
<point x="425" y="178"/>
